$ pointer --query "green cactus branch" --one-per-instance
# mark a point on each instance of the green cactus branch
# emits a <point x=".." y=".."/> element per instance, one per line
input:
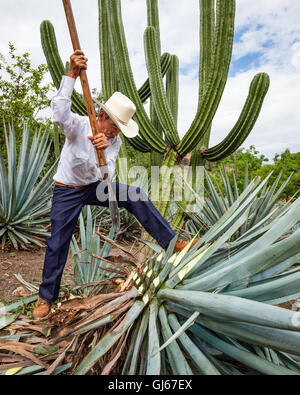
<point x="207" y="31"/>
<point x="147" y="130"/>
<point x="165" y="64"/>
<point x="224" y="32"/>
<point x="161" y="103"/>
<point x="139" y="144"/>
<point x="258" y="90"/>
<point x="107" y="61"/>
<point x="55" y="64"/>
<point x="50" y="49"/>
<point x="153" y="19"/>
<point x="172" y="87"/>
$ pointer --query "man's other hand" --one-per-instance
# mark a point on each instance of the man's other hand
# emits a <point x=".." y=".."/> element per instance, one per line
<point x="77" y="62"/>
<point x="100" y="141"/>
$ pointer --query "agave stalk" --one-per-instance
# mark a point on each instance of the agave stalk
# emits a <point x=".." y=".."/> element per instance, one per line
<point x="25" y="195"/>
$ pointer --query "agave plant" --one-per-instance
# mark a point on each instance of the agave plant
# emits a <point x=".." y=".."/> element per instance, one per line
<point x="214" y="204"/>
<point x="210" y="309"/>
<point x="90" y="272"/>
<point x="214" y="305"/>
<point x="24" y="192"/>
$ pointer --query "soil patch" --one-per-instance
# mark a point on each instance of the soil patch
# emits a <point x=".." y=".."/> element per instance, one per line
<point x="29" y="264"/>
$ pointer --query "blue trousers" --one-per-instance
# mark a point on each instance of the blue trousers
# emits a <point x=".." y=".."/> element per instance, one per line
<point x="66" y="207"/>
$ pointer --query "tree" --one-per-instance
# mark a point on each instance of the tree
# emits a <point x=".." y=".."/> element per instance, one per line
<point x="22" y="93"/>
<point x="286" y="163"/>
<point x="236" y="163"/>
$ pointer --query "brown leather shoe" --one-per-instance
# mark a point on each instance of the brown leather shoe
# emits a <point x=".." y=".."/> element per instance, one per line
<point x="41" y="309"/>
<point x="180" y="244"/>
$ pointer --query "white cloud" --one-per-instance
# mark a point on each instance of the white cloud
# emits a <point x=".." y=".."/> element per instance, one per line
<point x="272" y="31"/>
<point x="295" y="60"/>
<point x="277" y="127"/>
<point x="268" y="27"/>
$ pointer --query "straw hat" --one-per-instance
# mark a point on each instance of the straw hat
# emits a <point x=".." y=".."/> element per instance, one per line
<point x="121" y="110"/>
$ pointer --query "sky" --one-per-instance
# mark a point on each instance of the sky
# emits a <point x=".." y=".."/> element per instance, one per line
<point x="267" y="39"/>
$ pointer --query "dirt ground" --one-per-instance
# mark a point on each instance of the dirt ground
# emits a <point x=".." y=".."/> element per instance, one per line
<point x="29" y="264"/>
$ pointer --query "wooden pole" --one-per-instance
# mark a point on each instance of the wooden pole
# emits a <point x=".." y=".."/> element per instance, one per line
<point x="113" y="206"/>
<point x="83" y="77"/>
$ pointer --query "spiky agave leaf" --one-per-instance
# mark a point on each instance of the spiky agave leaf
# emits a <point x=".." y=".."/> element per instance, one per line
<point x="25" y="195"/>
<point x="231" y="318"/>
<point x="241" y="328"/>
<point x="88" y="266"/>
<point x="213" y="304"/>
<point x="216" y="203"/>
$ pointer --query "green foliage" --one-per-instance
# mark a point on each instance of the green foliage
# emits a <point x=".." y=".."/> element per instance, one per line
<point x="286" y="164"/>
<point x="88" y="267"/>
<point x="216" y="203"/>
<point x="22" y="93"/>
<point x="24" y="193"/>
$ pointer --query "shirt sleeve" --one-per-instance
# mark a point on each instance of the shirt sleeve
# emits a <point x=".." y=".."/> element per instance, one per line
<point x="62" y="115"/>
<point x="111" y="154"/>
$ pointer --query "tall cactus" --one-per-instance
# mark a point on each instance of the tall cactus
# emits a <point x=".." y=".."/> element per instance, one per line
<point x="159" y="133"/>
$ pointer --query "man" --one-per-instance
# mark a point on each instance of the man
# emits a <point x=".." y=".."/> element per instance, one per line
<point x="77" y="184"/>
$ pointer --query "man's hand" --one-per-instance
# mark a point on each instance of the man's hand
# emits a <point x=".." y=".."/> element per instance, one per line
<point x="77" y="62"/>
<point x="100" y="141"/>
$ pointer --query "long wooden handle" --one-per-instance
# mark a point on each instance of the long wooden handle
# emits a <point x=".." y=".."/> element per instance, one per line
<point x="83" y="77"/>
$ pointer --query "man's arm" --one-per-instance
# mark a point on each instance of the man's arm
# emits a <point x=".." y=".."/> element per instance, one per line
<point x="68" y="122"/>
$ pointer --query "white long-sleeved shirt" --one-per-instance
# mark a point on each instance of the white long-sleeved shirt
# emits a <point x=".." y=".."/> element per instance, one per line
<point x="78" y="159"/>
